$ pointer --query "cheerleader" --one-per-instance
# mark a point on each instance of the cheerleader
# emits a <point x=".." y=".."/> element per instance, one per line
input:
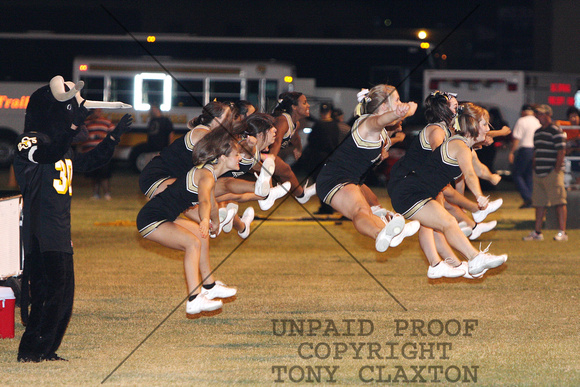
<point x="291" y="108"/>
<point x="242" y="109"/>
<point x="215" y="154"/>
<point x="412" y="191"/>
<point x="440" y="113"/>
<point x="259" y="133"/>
<point x="339" y="182"/>
<point x="175" y="160"/>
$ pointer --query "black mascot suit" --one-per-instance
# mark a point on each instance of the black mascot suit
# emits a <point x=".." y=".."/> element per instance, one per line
<point x="44" y="167"/>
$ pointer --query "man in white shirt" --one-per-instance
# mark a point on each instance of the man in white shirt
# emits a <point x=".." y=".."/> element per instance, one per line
<point x="523" y="143"/>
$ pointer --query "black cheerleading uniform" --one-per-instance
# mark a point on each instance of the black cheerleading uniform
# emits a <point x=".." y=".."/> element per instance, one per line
<point x="245" y="165"/>
<point x="288" y="135"/>
<point x="349" y="162"/>
<point x="174" y="161"/>
<point x="424" y="183"/>
<point x="170" y="203"/>
<point x="43" y="167"/>
<point x="415" y="156"/>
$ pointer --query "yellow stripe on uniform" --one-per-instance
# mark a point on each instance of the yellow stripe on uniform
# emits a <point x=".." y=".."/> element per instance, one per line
<point x="362" y="143"/>
<point x="154" y="186"/>
<point x="151" y="227"/>
<point x="424" y="141"/>
<point x="188" y="143"/>
<point x="189" y="182"/>
<point x="333" y="191"/>
<point x="416" y="207"/>
<point x="445" y="157"/>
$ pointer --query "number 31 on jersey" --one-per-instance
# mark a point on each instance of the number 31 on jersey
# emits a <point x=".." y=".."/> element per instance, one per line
<point x="63" y="184"/>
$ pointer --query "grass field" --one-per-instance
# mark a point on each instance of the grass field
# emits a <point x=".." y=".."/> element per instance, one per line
<point x="516" y="326"/>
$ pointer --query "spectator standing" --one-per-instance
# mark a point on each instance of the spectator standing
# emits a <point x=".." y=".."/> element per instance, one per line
<point x="523" y="143"/>
<point x="549" y="189"/>
<point x="573" y="115"/>
<point x="159" y="130"/>
<point x="98" y="126"/>
<point x="338" y="116"/>
<point x="321" y="142"/>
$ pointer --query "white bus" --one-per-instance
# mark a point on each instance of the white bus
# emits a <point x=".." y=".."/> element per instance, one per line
<point x="180" y="88"/>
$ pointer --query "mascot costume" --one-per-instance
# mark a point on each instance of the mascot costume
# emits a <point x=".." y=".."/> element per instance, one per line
<point x="44" y="167"/>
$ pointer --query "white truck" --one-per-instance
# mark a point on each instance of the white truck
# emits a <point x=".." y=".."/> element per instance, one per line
<point x="14" y="98"/>
<point x="508" y="90"/>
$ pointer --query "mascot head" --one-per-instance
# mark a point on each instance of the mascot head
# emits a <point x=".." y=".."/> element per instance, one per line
<point x="51" y="108"/>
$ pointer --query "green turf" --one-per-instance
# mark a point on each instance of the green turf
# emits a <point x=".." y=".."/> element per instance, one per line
<point x="129" y="291"/>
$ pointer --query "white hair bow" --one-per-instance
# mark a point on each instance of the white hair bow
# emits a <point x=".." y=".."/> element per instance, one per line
<point x="362" y="95"/>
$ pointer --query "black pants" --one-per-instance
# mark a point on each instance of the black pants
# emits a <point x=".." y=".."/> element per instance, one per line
<point x="51" y="276"/>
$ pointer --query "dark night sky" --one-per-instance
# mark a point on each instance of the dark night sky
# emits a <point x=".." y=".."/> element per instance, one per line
<point x="496" y="35"/>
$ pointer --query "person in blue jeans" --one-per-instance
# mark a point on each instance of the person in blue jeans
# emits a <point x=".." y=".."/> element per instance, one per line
<point x="522" y="153"/>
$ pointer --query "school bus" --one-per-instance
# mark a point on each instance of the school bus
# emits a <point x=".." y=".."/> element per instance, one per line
<point x="181" y="88"/>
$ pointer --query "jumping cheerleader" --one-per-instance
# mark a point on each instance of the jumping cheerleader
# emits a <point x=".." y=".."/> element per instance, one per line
<point x="175" y="160"/>
<point x="291" y="108"/>
<point x="159" y="221"/>
<point x="412" y="193"/>
<point x="339" y="182"/>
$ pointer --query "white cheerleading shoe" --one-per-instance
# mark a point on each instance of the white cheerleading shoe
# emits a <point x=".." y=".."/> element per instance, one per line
<point x="220" y="290"/>
<point x="483" y="260"/>
<point x="202" y="304"/>
<point x="228" y="226"/>
<point x="247" y="218"/>
<point x="226" y="215"/>
<point x="263" y="180"/>
<point x="492" y="206"/>
<point x="391" y="229"/>
<point x="309" y="191"/>
<point x="443" y="269"/>
<point x="275" y="193"/>
<point x="379" y="211"/>
<point x="410" y="229"/>
<point x="480" y="228"/>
